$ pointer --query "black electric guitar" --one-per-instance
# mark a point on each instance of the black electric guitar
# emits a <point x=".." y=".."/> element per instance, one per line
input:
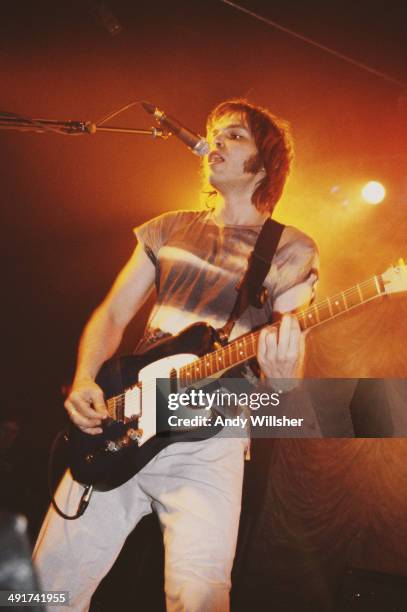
<point x="129" y="439"/>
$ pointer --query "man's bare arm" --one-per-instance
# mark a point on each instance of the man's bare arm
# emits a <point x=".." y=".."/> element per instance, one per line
<point x="101" y="338"/>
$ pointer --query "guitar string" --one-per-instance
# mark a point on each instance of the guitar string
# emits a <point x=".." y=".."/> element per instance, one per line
<point x="356" y="289"/>
<point x="253" y="336"/>
<point x="221" y="352"/>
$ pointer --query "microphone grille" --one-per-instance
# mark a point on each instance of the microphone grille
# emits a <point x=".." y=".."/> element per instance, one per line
<point x="201" y="148"/>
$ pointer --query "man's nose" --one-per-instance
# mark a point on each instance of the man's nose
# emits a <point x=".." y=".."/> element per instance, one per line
<point x="219" y="141"/>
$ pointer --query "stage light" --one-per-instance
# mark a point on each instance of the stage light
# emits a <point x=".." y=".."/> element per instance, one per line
<point x="373" y="192"/>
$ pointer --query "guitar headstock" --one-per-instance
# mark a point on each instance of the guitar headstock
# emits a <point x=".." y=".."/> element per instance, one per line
<point x="395" y="278"/>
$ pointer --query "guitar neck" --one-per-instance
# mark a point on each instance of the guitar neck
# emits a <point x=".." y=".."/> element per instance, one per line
<point x="245" y="347"/>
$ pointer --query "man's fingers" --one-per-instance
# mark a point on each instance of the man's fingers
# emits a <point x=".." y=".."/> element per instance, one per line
<point x="101" y="409"/>
<point x="296" y="345"/>
<point x="295" y="340"/>
<point x="86" y="406"/>
<point x="78" y="418"/>
<point x="83" y="406"/>
<point x="97" y="401"/>
<point x="267" y="346"/>
<point x="280" y="352"/>
<point x="271" y="342"/>
<point x="284" y="335"/>
<point x="261" y="346"/>
<point x="92" y="430"/>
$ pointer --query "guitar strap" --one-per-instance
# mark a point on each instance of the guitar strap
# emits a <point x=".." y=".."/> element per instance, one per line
<point x="250" y="289"/>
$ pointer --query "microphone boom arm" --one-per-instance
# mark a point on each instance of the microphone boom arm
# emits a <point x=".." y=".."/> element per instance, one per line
<point x="10" y="121"/>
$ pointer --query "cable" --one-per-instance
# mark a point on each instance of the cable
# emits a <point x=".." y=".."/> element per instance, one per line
<point x="314" y="43"/>
<point x="116" y="112"/>
<point x="88" y="489"/>
<point x="7" y="119"/>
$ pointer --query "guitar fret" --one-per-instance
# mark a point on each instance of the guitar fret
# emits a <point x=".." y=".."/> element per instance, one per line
<point x="240" y="350"/>
<point x="338" y="306"/>
<point x="310" y="318"/>
<point x="226" y="359"/>
<point x="248" y="347"/>
<point x="371" y="289"/>
<point x="253" y="345"/>
<point x="213" y="362"/>
<point x="244" y="347"/>
<point x="344" y="300"/>
<point x="230" y="353"/>
<point x="302" y="321"/>
<point x="235" y="350"/>
<point x="331" y="307"/>
<point x="197" y="370"/>
<point x="353" y="298"/>
<point x="359" y="289"/>
<point x="324" y="311"/>
<point x="220" y="359"/>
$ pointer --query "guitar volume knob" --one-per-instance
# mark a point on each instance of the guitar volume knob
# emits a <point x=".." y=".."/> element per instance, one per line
<point x="134" y="434"/>
<point x="112" y="446"/>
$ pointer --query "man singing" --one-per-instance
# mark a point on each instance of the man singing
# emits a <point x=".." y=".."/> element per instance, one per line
<point x="194" y="259"/>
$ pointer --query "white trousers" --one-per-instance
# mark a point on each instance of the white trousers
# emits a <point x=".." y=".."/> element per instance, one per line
<point x="195" y="488"/>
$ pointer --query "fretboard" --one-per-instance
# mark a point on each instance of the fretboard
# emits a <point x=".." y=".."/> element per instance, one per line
<point x="245" y="347"/>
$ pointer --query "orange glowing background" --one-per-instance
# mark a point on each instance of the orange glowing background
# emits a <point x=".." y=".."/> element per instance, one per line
<point x="70" y="203"/>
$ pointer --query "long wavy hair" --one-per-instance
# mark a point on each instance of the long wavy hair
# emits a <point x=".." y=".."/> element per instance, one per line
<point x="274" y="144"/>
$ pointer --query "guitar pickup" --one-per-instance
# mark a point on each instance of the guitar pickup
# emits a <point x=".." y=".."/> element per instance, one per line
<point x="132" y="402"/>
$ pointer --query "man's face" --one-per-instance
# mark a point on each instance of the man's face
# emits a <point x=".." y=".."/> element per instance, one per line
<point x="233" y="158"/>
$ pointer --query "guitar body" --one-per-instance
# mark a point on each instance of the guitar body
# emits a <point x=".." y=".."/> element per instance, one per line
<point x="109" y="459"/>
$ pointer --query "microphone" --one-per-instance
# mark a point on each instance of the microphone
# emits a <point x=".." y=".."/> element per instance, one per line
<point x="196" y="143"/>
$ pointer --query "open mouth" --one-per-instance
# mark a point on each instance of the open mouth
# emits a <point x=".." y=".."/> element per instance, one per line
<point x="215" y="158"/>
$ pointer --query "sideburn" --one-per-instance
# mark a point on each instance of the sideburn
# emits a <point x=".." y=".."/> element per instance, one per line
<point x="253" y="165"/>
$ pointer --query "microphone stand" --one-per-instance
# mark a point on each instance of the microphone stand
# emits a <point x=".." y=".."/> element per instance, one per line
<point x="11" y="121"/>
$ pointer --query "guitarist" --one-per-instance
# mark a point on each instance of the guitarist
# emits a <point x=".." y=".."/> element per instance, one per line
<point x="194" y="259"/>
